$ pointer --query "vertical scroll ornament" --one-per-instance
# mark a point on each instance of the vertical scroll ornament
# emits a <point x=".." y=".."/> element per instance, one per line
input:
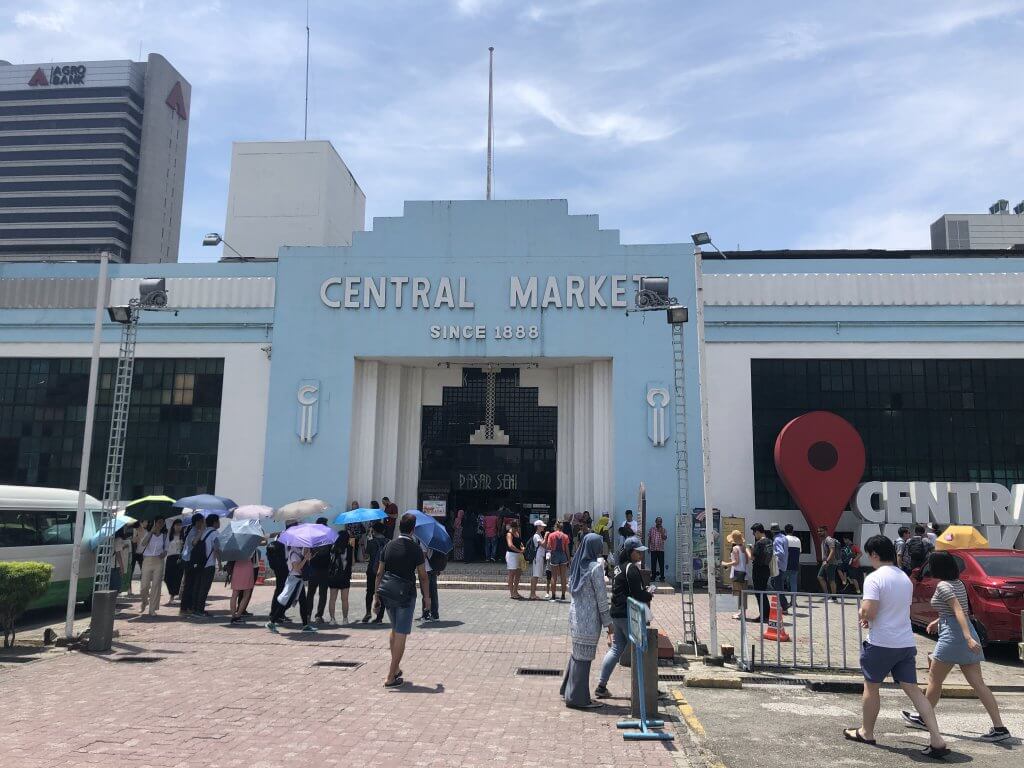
<point x="308" y="396"/>
<point x="657" y="422"/>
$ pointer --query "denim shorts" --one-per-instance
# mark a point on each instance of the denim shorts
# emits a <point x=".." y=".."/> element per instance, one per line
<point x="877" y="662"/>
<point x="401" y="619"/>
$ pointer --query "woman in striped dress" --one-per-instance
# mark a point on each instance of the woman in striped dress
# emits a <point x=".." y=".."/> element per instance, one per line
<point x="958" y="645"/>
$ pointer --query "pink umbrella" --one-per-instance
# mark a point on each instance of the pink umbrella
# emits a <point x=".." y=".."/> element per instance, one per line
<point x="253" y="512"/>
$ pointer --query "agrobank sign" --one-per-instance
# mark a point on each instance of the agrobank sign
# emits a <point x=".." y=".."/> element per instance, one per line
<point x="992" y="508"/>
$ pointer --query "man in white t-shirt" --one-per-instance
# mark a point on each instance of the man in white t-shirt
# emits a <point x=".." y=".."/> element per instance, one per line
<point x="890" y="647"/>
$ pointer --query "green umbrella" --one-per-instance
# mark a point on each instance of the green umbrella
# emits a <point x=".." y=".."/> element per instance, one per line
<point x="151" y="508"/>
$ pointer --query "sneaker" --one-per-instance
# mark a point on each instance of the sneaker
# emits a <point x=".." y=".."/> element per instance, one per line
<point x="272" y="627"/>
<point x="309" y="628"/>
<point x="996" y="734"/>
<point x="366" y="619"/>
<point x="913" y="720"/>
<point x="602" y="692"/>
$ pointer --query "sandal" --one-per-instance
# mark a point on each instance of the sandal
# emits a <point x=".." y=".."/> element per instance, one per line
<point x="935" y="753"/>
<point x="853" y="734"/>
<point x="394" y="683"/>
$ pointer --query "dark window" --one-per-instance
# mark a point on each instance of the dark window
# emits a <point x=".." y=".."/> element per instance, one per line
<point x="69" y="108"/>
<point x="920" y="420"/>
<point x="68" y="185"/>
<point x="69" y="201"/>
<point x="97" y="153"/>
<point x="71" y="138"/>
<point x="69" y="94"/>
<point x="173" y="425"/>
<point x="91" y="216"/>
<point x="65" y="249"/>
<point x="67" y="233"/>
<point x="70" y="170"/>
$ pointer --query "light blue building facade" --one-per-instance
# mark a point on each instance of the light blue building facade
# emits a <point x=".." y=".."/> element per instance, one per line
<point x="478" y="355"/>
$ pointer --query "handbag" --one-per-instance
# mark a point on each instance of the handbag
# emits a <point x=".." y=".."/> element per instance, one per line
<point x="773" y="567"/>
<point x="394" y="591"/>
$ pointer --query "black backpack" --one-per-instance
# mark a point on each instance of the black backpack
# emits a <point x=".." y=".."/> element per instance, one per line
<point x="197" y="556"/>
<point x="915" y="552"/>
<point x="276" y="558"/>
<point x="530" y="550"/>
<point x="438" y="561"/>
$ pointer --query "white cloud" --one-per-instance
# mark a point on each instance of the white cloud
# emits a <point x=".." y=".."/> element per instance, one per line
<point x="615" y="125"/>
<point x="474" y="7"/>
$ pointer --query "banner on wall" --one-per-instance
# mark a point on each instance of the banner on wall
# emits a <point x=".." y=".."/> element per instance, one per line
<point x="700" y="542"/>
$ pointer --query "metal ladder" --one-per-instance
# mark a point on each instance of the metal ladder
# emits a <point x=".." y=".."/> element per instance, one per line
<point x="684" y="518"/>
<point x="121" y="400"/>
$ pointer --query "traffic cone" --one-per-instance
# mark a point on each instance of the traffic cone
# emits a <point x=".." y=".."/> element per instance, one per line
<point x="261" y="575"/>
<point x="775" y="630"/>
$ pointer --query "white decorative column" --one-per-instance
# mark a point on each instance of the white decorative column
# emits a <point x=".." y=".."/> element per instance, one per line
<point x="582" y="438"/>
<point x="602" y="440"/>
<point x="564" y="491"/>
<point x="410" y="424"/>
<point x="385" y="448"/>
<point x="361" y="441"/>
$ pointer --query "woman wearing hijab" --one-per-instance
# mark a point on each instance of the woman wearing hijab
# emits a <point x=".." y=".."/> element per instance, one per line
<point x="588" y="613"/>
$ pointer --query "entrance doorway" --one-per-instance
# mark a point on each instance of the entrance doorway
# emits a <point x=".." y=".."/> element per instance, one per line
<point x="489" y="448"/>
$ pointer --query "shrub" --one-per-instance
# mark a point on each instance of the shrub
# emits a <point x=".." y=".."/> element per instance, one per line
<point x="20" y="584"/>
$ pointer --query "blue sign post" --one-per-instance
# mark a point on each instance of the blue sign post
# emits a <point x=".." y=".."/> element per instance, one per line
<point x="637" y="630"/>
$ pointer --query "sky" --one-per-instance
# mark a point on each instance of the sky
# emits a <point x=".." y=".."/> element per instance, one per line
<point x="786" y="124"/>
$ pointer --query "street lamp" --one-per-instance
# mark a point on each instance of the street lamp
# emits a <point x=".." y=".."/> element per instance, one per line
<point x="699" y="239"/>
<point x="214" y="238"/>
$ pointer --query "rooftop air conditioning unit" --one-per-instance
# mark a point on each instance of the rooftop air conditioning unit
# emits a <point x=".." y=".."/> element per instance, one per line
<point x="999" y="206"/>
<point x="1019" y="208"/>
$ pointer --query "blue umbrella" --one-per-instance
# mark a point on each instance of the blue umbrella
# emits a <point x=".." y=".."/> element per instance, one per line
<point x="431" y="533"/>
<point x="206" y="502"/>
<point x="361" y="515"/>
<point x="308" y="535"/>
<point x="239" y="539"/>
<point x="109" y="529"/>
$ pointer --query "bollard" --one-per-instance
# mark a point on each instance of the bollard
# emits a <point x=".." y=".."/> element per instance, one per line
<point x="101" y="622"/>
<point x="650" y="679"/>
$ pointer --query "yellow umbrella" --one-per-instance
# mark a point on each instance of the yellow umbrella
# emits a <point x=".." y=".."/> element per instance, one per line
<point x="961" y="537"/>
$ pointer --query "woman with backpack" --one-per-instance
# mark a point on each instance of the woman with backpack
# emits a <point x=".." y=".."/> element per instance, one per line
<point x="339" y="574"/>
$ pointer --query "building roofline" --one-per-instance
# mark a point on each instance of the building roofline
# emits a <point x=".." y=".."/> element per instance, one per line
<point x="871" y="253"/>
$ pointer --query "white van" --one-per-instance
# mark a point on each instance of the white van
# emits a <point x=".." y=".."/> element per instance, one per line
<point x="38" y="525"/>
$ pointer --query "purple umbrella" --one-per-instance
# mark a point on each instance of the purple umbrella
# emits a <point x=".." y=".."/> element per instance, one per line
<point x="308" y="535"/>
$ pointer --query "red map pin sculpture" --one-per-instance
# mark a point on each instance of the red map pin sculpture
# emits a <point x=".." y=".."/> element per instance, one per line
<point x="820" y="458"/>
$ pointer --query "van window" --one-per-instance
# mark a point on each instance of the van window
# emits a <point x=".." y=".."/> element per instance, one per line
<point x="35" y="529"/>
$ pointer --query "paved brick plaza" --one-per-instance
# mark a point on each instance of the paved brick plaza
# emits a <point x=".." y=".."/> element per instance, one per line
<point x="240" y="696"/>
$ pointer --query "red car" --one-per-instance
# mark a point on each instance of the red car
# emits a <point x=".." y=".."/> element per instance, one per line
<point x="994" y="579"/>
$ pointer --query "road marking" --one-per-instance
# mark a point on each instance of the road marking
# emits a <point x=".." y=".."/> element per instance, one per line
<point x="695" y="725"/>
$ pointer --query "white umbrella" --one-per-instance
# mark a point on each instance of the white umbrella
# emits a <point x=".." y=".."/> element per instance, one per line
<point x="300" y="509"/>
<point x="253" y="512"/>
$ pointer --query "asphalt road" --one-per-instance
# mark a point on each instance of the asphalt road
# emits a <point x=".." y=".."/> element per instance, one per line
<point x="771" y="726"/>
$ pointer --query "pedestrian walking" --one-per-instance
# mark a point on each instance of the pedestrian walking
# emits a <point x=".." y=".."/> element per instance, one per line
<point x="277" y="561"/>
<point x="536" y="557"/>
<point x="795" y="547"/>
<point x="294" y="590"/>
<point x="207" y="544"/>
<point x="760" y="565"/>
<point x="122" y="552"/>
<point x="154" y="550"/>
<point x="339" y="575"/>
<point x="316" y="587"/>
<point x="400" y="564"/>
<point x="917" y="549"/>
<point x="172" y="563"/>
<point x="491" y="523"/>
<point x="627" y="582"/>
<point x="191" y="571"/>
<point x="589" y="612"/>
<point x="374" y="549"/>
<point x="829" y="561"/>
<point x="890" y="648"/>
<point x="243" y="581"/>
<point x="134" y="560"/>
<point x="780" y="552"/>
<point x="958" y="645"/>
<point x="433" y="563"/>
<point x="557" y="544"/>
<point x="656" y="538"/>
<point x="737" y="566"/>
<point x="513" y="559"/>
<point x="849" y="564"/>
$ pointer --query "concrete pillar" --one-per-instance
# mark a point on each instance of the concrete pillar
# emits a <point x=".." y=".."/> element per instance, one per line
<point x="101" y="621"/>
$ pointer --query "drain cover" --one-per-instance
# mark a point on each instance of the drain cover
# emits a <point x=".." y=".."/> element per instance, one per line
<point x="535" y="672"/>
<point x="345" y="664"/>
<point x="138" y="659"/>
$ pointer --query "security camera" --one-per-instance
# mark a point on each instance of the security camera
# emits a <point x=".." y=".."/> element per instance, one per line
<point x="152" y="293"/>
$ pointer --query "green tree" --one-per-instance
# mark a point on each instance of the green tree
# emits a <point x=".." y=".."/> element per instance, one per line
<point x="20" y="584"/>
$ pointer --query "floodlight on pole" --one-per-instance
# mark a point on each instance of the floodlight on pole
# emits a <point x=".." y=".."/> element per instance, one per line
<point x="214" y="238"/>
<point x="699" y="239"/>
<point x="121" y="313"/>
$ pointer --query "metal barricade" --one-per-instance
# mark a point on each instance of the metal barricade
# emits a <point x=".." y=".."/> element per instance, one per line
<point x="817" y="632"/>
<point x="637" y="631"/>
